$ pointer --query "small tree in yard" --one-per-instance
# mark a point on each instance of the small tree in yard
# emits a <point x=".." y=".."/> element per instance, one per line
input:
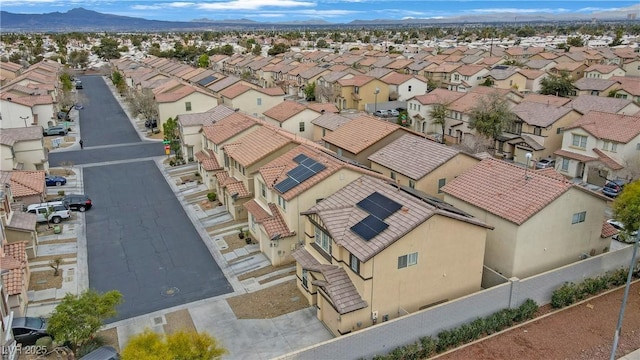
<point x="78" y="317"/>
<point x="170" y="128"/>
<point x="626" y="207"/>
<point x="438" y="115"/>
<point x="491" y="116"/>
<point x="180" y="345"/>
<point x="557" y="85"/>
<point x="55" y="265"/>
<point x="310" y="92"/>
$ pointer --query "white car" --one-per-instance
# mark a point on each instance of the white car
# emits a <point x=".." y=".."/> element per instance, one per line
<point x="623" y="235"/>
<point x="59" y="211"/>
<point x="393" y="112"/>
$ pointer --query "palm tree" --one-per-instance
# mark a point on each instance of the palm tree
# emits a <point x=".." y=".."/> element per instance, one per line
<point x="438" y="115"/>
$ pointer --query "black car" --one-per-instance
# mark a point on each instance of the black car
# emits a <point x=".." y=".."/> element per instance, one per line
<point x="26" y="330"/>
<point x="613" y="188"/>
<point x="77" y="202"/>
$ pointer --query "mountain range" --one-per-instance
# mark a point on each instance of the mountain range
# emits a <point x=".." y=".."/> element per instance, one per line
<point x="83" y="20"/>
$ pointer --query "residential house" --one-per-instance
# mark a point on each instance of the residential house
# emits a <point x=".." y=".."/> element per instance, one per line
<point x="542" y="65"/>
<point x="357" y="91"/>
<point x="190" y="126"/>
<point x="293" y="117"/>
<point x="600" y="146"/>
<point x="327" y="86"/>
<point x="23" y="149"/>
<point x="466" y="77"/>
<point x="326" y="123"/>
<point x="575" y="70"/>
<point x="541" y="222"/>
<point x="631" y="67"/>
<point x="23" y="107"/>
<point x="374" y="252"/>
<point x="289" y="184"/>
<point x="182" y="99"/>
<point x="10" y="347"/>
<point x="537" y="130"/>
<point x="420" y="163"/>
<point x="19" y="226"/>
<point x="585" y="103"/>
<point x="440" y="74"/>
<point x="629" y="88"/>
<point x="251" y="100"/>
<point x="9" y="71"/>
<point x="533" y="80"/>
<point x="599" y="71"/>
<point x="507" y="77"/>
<point x="404" y="86"/>
<point x="595" y="86"/>
<point x="419" y="110"/>
<point x="27" y="187"/>
<point x="359" y="138"/>
<point x="15" y="277"/>
<point x="547" y="99"/>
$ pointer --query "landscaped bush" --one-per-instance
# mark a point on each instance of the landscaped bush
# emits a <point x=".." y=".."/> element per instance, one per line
<point x="212" y="196"/>
<point x="91" y="345"/>
<point x="564" y="296"/>
<point x="569" y="293"/>
<point x="451" y="338"/>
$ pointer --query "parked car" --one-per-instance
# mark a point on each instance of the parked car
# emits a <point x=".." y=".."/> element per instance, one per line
<point x="380" y="113"/>
<point x="613" y="188"/>
<point x="63" y="115"/>
<point x="52" y="180"/>
<point x="26" y="330"/>
<point x="623" y="235"/>
<point x="102" y="353"/>
<point x="545" y="163"/>
<point x="393" y="112"/>
<point x="78" y="84"/>
<point x="77" y="202"/>
<point x="60" y="211"/>
<point x="151" y="124"/>
<point x="55" y="130"/>
<point x="78" y="106"/>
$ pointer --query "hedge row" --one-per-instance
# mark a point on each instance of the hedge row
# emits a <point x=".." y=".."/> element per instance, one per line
<point x="447" y="339"/>
<point x="569" y="293"/>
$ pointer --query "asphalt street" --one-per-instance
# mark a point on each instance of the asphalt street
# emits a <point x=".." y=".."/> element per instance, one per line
<point x="140" y="241"/>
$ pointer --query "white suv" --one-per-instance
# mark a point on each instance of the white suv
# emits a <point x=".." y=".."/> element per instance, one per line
<point x="60" y="210"/>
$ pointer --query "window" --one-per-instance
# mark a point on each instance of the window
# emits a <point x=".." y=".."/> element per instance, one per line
<point x="614" y="147"/>
<point x="324" y="132"/>
<point x="565" y="164"/>
<point x="441" y="183"/>
<point x="354" y="263"/>
<point x="263" y="190"/>
<point x="393" y="175"/>
<point x="559" y="130"/>
<point x="412" y="184"/>
<point x="356" y="89"/>
<point x="259" y="101"/>
<point x="605" y="145"/>
<point x="456" y="77"/>
<point x="537" y="130"/>
<point x="187" y="106"/>
<point x="579" y="141"/>
<point x="301" y="126"/>
<point x="409" y="88"/>
<point x="323" y="240"/>
<point x="638" y="146"/>
<point x="579" y="217"/>
<point x="282" y="202"/>
<point x="407" y="260"/>
<point x="305" y="281"/>
<point x="595" y="92"/>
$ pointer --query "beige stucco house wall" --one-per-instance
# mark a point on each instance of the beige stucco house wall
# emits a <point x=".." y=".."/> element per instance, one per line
<point x="253" y="102"/>
<point x="299" y="124"/>
<point x="195" y="102"/>
<point x="517" y="82"/>
<point x="32" y="154"/>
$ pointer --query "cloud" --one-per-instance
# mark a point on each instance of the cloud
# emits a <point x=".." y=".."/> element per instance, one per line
<point x="253" y="4"/>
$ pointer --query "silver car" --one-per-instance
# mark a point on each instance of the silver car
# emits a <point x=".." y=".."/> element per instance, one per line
<point x="55" y="130"/>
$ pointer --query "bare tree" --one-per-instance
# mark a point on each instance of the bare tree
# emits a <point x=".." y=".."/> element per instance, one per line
<point x="142" y="103"/>
<point x="55" y="265"/>
<point x="67" y="166"/>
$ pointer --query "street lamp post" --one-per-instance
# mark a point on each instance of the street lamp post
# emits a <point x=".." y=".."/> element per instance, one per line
<point x="375" y="104"/>
<point x="25" y="118"/>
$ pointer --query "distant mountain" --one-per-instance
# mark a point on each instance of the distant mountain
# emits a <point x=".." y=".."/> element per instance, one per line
<point x="80" y="19"/>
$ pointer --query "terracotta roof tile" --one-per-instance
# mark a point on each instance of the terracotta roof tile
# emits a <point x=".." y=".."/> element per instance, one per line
<point x="14" y="260"/>
<point x="500" y="188"/>
<point x="601" y="68"/>
<point x="586" y="103"/>
<point x="395" y="78"/>
<point x="413" y="156"/>
<point x="607" y="160"/>
<point x="360" y="133"/>
<point x="284" y="110"/>
<point x="13" y="135"/>
<point x="330" y="121"/>
<point x="208" y="160"/>
<point x="228" y="127"/>
<point x="607" y="230"/>
<point x="575" y="156"/>
<point x="628" y="84"/>
<point x="438" y="96"/>
<point x="23" y="221"/>
<point x="256" y="145"/>
<point x="358" y="80"/>
<point x="537" y="114"/>
<point x="235" y="90"/>
<point x="274" y="91"/>
<point x="341" y="290"/>
<point x="608" y="126"/>
<point x="323" y="107"/>
<point x="235" y="186"/>
<point x="594" y="84"/>
<point x="256" y="210"/>
<point x="546" y="99"/>
<point x="27" y="183"/>
<point x="205" y="118"/>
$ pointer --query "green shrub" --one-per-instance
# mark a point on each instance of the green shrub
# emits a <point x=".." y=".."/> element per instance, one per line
<point x="91" y="345"/>
<point x="527" y="310"/>
<point x="427" y="346"/>
<point x="212" y="196"/>
<point x="60" y="192"/>
<point x="618" y="277"/>
<point x="593" y="286"/>
<point x="566" y="295"/>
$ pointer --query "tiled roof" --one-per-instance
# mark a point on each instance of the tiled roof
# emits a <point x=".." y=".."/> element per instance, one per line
<point x="502" y="72"/>
<point x="607" y="126"/>
<point x="223" y="84"/>
<point x="23" y="221"/>
<point x="323" y="107"/>
<point x="629" y="84"/>
<point x="438" y="96"/>
<point x="466" y="102"/>
<point x="360" y="133"/>
<point x="235" y="186"/>
<point x="13" y="135"/>
<point x="593" y="84"/>
<point x="342" y="293"/>
<point x="413" y="156"/>
<point x="274" y="91"/>
<point x="538" y="114"/>
<point x="175" y="95"/>
<point x="469" y="70"/>
<point x="29" y="101"/>
<point x="546" y="99"/>
<point x="208" y="160"/>
<point x="235" y="90"/>
<point x="339" y="213"/>
<point x="228" y="127"/>
<point x="284" y="110"/>
<point x="607" y="230"/>
<point x="607" y="160"/>
<point x="551" y="172"/>
<point x="256" y="210"/>
<point x="256" y="145"/>
<point x="575" y="156"/>
<point x="27" y="183"/>
<point x="395" y="78"/>
<point x="358" y="80"/>
<point x="330" y="121"/>
<point x="205" y="118"/>
<point x="531" y="74"/>
<point x="601" y="68"/>
<point x="14" y="260"/>
<point x="586" y="103"/>
<point x="501" y="188"/>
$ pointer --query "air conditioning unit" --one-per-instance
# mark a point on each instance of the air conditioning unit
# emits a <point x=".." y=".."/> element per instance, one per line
<point x="584" y="256"/>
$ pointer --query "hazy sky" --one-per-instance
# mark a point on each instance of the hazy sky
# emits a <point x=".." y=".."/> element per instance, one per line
<point x="340" y="11"/>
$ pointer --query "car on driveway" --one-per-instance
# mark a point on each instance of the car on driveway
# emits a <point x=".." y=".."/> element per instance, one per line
<point x="53" y="180"/>
<point x="545" y="163"/>
<point x="393" y="112"/>
<point x="623" y="235"/>
<point x="55" y="130"/>
<point x="26" y="330"/>
<point x="54" y="211"/>
<point x="380" y="113"/>
<point x="79" y="202"/>
<point x="613" y="188"/>
<point x="63" y="115"/>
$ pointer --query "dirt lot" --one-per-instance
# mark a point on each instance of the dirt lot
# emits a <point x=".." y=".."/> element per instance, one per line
<point x="584" y="331"/>
<point x="269" y="303"/>
<point x="42" y="280"/>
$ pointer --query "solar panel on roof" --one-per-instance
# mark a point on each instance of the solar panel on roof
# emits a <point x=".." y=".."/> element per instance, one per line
<point x="207" y="80"/>
<point x="369" y="227"/>
<point x="379" y="205"/>
<point x="317" y="167"/>
<point x="286" y="185"/>
<point x="299" y="158"/>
